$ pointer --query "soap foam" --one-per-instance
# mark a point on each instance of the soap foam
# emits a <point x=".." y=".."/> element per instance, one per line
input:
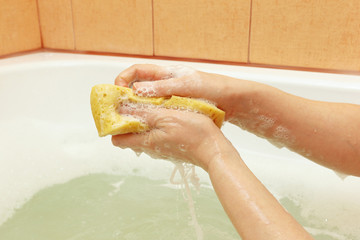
<point x="73" y="150"/>
<point x="145" y="92"/>
<point x="282" y="137"/>
<point x="53" y="153"/>
<point x="281" y="133"/>
<point x="136" y="106"/>
<point x="116" y="186"/>
<point x="265" y="122"/>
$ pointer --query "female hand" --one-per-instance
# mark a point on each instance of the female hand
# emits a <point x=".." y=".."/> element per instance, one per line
<point x="157" y="81"/>
<point x="178" y="135"/>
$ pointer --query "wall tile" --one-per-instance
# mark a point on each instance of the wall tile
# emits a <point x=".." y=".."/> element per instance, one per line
<point x="311" y="33"/>
<point x="56" y="24"/>
<point x="119" y="26"/>
<point x="203" y="29"/>
<point x="19" y="26"/>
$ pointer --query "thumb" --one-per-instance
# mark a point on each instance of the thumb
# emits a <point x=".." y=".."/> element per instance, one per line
<point x="130" y="140"/>
<point x="161" y="88"/>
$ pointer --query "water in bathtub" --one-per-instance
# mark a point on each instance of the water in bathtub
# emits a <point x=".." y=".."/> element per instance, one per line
<point x="112" y="206"/>
<point x="73" y="185"/>
<point x="103" y="206"/>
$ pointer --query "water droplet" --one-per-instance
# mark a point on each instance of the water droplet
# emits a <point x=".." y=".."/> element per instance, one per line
<point x="182" y="147"/>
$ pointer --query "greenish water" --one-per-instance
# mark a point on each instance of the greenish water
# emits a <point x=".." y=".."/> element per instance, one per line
<point x="103" y="207"/>
<point x="112" y="207"/>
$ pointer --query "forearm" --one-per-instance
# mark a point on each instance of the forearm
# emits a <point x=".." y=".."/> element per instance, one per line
<point x="327" y="133"/>
<point x="254" y="212"/>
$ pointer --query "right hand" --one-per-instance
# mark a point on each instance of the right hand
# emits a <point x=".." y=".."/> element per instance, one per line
<point x="159" y="81"/>
<point x="179" y="135"/>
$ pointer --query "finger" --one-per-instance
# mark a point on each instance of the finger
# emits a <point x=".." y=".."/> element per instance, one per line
<point x="141" y="72"/>
<point x="129" y="140"/>
<point x="148" y="114"/>
<point x="164" y="88"/>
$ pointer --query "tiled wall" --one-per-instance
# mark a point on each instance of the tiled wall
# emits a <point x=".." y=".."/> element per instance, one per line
<point x="19" y="26"/>
<point x="56" y="24"/>
<point x="306" y="33"/>
<point x="322" y="34"/>
<point x="204" y="29"/>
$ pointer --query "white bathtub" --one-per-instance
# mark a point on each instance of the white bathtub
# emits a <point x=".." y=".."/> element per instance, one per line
<point x="47" y="136"/>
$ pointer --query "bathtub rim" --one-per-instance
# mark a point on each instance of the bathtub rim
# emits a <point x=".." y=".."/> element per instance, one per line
<point x="259" y="74"/>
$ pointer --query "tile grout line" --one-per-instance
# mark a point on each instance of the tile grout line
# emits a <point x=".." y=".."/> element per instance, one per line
<point x="153" y="27"/>
<point x="39" y="22"/>
<point x="73" y="24"/>
<point x="249" y="38"/>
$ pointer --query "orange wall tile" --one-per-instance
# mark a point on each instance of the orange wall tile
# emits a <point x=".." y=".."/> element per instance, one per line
<point x="113" y="26"/>
<point x="56" y="24"/>
<point x="203" y="29"/>
<point x="297" y="33"/>
<point x="311" y="33"/>
<point x="19" y="26"/>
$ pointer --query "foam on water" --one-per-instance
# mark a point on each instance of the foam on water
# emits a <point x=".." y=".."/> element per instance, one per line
<point x="327" y="212"/>
<point x="36" y="154"/>
<point x="48" y="153"/>
<point x="116" y="186"/>
<point x="103" y="206"/>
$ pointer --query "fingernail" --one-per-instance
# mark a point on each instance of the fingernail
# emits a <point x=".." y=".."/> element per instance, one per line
<point x="135" y="85"/>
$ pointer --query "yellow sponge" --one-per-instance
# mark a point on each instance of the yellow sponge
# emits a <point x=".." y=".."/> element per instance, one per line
<point x="105" y="99"/>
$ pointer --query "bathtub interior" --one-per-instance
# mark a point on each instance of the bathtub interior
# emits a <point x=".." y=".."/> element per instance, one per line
<point x="48" y="137"/>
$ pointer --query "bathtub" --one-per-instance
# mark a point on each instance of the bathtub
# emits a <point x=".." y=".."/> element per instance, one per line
<point x="48" y="138"/>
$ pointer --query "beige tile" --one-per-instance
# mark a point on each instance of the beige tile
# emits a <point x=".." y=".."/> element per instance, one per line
<point x="113" y="26"/>
<point x="203" y="29"/>
<point x="19" y="26"/>
<point x="311" y="33"/>
<point x="56" y="24"/>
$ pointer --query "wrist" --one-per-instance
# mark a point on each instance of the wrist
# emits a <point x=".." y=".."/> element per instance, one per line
<point x="219" y="151"/>
<point x="237" y="97"/>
